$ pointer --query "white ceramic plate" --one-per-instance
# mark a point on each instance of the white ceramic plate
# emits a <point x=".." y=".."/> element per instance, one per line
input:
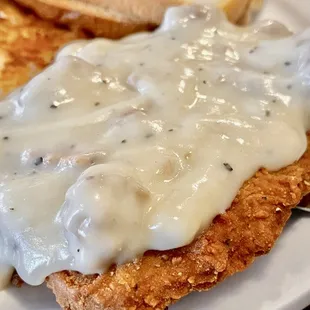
<point x="278" y="281"/>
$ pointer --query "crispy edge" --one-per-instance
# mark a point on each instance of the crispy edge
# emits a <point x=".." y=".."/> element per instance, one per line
<point x="92" y="25"/>
<point x="249" y="228"/>
<point x="27" y="45"/>
<point x="150" y="15"/>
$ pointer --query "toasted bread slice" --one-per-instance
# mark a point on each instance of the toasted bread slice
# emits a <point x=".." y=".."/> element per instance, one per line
<point x="116" y="18"/>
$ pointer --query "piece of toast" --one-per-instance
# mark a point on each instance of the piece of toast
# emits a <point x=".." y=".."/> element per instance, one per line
<point x="116" y="18"/>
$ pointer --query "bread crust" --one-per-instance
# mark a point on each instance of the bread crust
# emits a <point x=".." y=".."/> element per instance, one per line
<point x="249" y="228"/>
<point x="117" y="18"/>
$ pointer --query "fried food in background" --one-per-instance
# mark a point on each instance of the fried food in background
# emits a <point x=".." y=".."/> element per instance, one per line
<point x="27" y="44"/>
<point x="116" y="18"/>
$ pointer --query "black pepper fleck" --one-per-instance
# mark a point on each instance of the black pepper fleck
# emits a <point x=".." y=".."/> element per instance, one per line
<point x="1" y="117"/>
<point x="287" y="63"/>
<point x="274" y="100"/>
<point x="78" y="250"/>
<point x="48" y="79"/>
<point x="141" y="64"/>
<point x="12" y="209"/>
<point x="15" y="173"/>
<point x="149" y="135"/>
<point x="97" y="103"/>
<point x="200" y="69"/>
<point x="266" y="72"/>
<point x="53" y="106"/>
<point x="15" y="247"/>
<point x="267" y="113"/>
<point x="5" y="138"/>
<point x="289" y="86"/>
<point x="124" y="141"/>
<point x="38" y="161"/>
<point x="172" y="38"/>
<point x="72" y="146"/>
<point x="104" y="81"/>
<point x="204" y="82"/>
<point x="170" y="130"/>
<point x="228" y="166"/>
<point x="264" y="197"/>
<point x="251" y="51"/>
<point x="91" y="177"/>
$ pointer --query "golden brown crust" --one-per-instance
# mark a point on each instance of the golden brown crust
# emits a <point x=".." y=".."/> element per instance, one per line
<point x="251" y="11"/>
<point x="93" y="25"/>
<point x="27" y="44"/>
<point x="117" y="18"/>
<point x="248" y="229"/>
<point x="123" y="11"/>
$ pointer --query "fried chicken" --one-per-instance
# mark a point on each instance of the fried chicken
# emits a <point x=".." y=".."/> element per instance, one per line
<point x="249" y="228"/>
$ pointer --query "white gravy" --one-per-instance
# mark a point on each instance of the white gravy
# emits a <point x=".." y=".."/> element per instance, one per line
<point x="120" y="147"/>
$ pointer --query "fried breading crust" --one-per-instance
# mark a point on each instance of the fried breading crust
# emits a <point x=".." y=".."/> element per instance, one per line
<point x="115" y="19"/>
<point x="249" y="228"/>
<point x="94" y="25"/>
<point x="27" y="44"/>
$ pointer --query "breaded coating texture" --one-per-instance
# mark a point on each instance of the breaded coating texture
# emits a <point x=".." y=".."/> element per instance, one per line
<point x="115" y="19"/>
<point x="96" y="26"/>
<point x="27" y="45"/>
<point x="249" y="228"/>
